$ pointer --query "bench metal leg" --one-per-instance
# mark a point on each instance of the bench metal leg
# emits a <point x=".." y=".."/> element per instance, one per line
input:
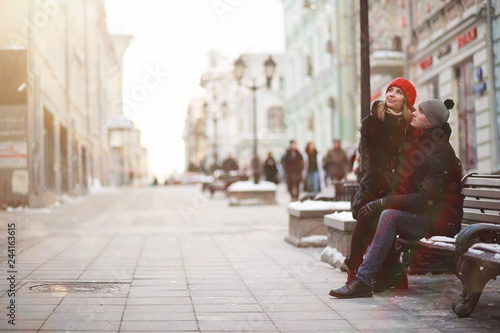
<point x="473" y="279"/>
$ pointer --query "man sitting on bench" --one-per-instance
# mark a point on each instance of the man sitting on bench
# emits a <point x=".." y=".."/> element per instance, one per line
<point x="435" y="208"/>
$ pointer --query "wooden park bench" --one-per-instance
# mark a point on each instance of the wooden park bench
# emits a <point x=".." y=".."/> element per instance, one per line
<point x="474" y="254"/>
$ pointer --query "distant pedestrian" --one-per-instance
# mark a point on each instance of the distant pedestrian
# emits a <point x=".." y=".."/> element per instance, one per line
<point x="293" y="163"/>
<point x="270" y="169"/>
<point x="314" y="172"/>
<point x="230" y="164"/>
<point x="337" y="164"/>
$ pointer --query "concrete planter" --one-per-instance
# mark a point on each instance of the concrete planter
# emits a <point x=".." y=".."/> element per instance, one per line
<point x="306" y="220"/>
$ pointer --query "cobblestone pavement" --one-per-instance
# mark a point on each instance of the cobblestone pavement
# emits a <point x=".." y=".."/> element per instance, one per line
<point x="170" y="259"/>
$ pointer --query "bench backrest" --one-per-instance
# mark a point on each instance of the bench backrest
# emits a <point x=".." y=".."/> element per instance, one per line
<point x="482" y="198"/>
<point x="347" y="193"/>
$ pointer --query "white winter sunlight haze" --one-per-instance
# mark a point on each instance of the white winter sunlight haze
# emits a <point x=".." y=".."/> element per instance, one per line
<point x="171" y="40"/>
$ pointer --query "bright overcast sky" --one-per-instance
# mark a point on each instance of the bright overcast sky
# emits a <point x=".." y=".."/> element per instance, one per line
<point x="171" y="39"/>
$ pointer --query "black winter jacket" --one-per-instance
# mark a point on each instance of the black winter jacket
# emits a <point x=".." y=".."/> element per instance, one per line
<point x="382" y="141"/>
<point x="293" y="163"/>
<point x="430" y="182"/>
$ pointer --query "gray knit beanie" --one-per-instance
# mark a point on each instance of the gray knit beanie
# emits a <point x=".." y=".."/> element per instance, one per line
<point x="436" y="111"/>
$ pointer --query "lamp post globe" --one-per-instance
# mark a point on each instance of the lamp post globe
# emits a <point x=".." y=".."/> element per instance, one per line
<point x="239" y="68"/>
<point x="269" y="67"/>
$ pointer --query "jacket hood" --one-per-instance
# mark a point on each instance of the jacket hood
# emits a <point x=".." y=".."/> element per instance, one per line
<point x="447" y="130"/>
<point x="375" y="106"/>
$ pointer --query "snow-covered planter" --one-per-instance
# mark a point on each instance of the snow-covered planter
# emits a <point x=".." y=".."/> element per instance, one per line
<point x="251" y="193"/>
<point x="339" y="231"/>
<point x="306" y="219"/>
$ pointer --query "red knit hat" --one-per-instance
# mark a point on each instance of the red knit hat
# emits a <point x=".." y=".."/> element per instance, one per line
<point x="408" y="89"/>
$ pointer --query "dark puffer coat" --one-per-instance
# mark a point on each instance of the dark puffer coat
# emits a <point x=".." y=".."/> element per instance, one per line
<point x="293" y="163"/>
<point x="382" y="141"/>
<point x="432" y="173"/>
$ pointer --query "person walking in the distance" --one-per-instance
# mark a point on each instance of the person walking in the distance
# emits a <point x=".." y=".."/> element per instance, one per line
<point x="293" y="163"/>
<point x="270" y="169"/>
<point x="312" y="165"/>
<point x="336" y="164"/>
<point x="230" y="164"/>
<point x="434" y="207"/>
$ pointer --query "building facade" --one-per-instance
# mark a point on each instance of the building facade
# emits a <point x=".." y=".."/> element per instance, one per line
<point x="62" y="68"/>
<point x="321" y="72"/>
<point x="452" y="57"/>
<point x="445" y="48"/>
<point x="129" y="159"/>
<point x="220" y="123"/>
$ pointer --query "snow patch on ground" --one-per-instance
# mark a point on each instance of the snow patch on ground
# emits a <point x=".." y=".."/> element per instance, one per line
<point x="314" y="241"/>
<point x="333" y="257"/>
<point x="27" y="209"/>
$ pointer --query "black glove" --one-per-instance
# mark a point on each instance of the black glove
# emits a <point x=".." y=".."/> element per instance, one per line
<point x="370" y="209"/>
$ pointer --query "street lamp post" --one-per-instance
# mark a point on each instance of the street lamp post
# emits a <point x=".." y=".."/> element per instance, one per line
<point x="215" y="118"/>
<point x="239" y="68"/>
<point x="216" y="148"/>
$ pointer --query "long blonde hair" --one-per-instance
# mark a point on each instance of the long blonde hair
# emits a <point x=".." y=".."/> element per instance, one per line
<point x="382" y="108"/>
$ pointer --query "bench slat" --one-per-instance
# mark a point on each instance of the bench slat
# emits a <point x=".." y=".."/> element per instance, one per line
<point x="482" y="204"/>
<point x="485" y="259"/>
<point x="481" y="217"/>
<point x="486" y="181"/>
<point x="481" y="193"/>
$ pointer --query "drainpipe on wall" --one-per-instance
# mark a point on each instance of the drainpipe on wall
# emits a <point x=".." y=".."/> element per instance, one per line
<point x="354" y="72"/>
<point x="409" y="11"/>
<point x="492" y="83"/>
<point x="340" y="62"/>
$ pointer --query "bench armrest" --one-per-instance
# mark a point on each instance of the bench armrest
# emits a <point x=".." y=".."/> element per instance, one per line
<point x="477" y="233"/>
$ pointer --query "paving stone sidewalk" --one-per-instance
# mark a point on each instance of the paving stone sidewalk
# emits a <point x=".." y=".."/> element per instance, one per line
<point x="171" y="259"/>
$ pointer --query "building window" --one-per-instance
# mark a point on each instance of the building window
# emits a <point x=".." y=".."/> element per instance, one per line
<point x="467" y="116"/>
<point x="310" y="122"/>
<point x="275" y="119"/>
<point x="432" y="89"/>
<point x="397" y="44"/>
<point x="49" y="149"/>
<point x="309" y="67"/>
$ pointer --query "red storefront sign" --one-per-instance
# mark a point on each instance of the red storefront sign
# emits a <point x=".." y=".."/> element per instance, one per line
<point x="374" y="96"/>
<point x="466" y="38"/>
<point x="427" y="62"/>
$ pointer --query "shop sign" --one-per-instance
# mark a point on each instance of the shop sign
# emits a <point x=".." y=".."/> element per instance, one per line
<point x="13" y="123"/>
<point x="466" y="38"/>
<point x="13" y="154"/>
<point x="427" y="62"/>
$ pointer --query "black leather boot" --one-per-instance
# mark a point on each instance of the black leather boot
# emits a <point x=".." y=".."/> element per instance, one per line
<point x="353" y="289"/>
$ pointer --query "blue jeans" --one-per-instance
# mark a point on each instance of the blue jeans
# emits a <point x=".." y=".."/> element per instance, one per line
<point x="392" y="222"/>
<point x="313" y="181"/>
